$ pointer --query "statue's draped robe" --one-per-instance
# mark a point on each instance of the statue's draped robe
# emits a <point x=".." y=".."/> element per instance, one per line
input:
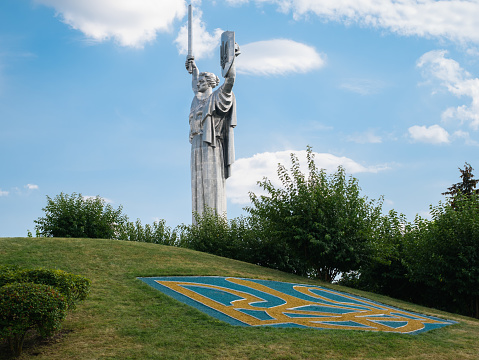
<point x="212" y="120"/>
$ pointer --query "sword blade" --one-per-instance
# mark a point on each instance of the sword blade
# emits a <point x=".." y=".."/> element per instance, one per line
<point x="190" y="33"/>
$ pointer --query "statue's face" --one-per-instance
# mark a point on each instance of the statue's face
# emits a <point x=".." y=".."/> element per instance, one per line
<point x="202" y="84"/>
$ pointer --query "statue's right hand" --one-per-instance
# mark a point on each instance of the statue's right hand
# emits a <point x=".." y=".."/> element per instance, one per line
<point x="190" y="65"/>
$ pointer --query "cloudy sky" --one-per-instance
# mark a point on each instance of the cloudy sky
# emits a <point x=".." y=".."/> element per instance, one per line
<point x="94" y="98"/>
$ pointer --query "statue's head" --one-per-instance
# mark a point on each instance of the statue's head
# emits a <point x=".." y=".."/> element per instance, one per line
<point x="207" y="80"/>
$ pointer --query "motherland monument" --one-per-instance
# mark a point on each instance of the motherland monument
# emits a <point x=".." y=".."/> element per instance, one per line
<point x="212" y="120"/>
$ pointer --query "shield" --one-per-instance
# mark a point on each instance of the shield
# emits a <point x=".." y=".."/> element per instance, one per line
<point x="227" y="51"/>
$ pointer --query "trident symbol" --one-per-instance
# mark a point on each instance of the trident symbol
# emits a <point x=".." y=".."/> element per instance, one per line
<point x="224" y="54"/>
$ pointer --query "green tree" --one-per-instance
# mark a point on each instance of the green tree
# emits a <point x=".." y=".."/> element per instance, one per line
<point x="444" y="255"/>
<point x="432" y="262"/>
<point x="466" y="187"/>
<point x="78" y="216"/>
<point x="385" y="271"/>
<point x="321" y="222"/>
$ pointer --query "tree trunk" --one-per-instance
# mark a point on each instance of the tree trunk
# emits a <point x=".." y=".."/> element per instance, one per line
<point x="16" y="343"/>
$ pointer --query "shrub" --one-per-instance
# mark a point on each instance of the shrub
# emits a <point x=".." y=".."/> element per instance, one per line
<point x="73" y="287"/>
<point x="80" y="217"/>
<point x="28" y="306"/>
<point x="209" y="233"/>
<point x="8" y="274"/>
<point x="158" y="233"/>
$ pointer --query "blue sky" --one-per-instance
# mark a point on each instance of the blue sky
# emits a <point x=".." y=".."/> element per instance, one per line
<point x="94" y="98"/>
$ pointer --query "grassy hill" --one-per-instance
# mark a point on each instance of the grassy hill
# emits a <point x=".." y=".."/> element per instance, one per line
<point x="126" y="319"/>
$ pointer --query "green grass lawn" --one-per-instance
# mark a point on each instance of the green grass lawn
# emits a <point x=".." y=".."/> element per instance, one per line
<point x="124" y="318"/>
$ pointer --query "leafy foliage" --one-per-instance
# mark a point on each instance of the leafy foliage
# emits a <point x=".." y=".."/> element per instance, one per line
<point x="444" y="254"/>
<point x="212" y="233"/>
<point x="385" y="271"/>
<point x="9" y="274"/>
<point x="431" y="262"/>
<point x="467" y="187"/>
<point x="157" y="233"/>
<point x="321" y="222"/>
<point x="80" y="217"/>
<point x="74" y="287"/>
<point x="27" y="306"/>
<point x="43" y="297"/>
<point x="208" y="234"/>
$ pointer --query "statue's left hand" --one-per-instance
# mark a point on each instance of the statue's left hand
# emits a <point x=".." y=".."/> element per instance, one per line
<point x="237" y="49"/>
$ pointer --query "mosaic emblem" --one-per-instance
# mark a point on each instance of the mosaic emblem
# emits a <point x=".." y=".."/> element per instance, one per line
<point x="252" y="302"/>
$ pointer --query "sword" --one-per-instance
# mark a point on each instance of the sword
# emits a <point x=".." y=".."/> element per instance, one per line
<point x="190" y="38"/>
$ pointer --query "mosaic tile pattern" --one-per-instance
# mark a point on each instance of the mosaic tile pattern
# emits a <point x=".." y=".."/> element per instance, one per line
<point x="252" y="302"/>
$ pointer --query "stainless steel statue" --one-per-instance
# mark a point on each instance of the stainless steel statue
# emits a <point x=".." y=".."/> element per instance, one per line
<point x="212" y="120"/>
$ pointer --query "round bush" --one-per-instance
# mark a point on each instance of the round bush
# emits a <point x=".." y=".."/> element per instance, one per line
<point x="73" y="287"/>
<point x="27" y="306"/>
<point x="8" y="274"/>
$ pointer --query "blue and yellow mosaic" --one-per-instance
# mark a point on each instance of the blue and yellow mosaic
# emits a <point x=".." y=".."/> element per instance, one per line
<point x="252" y="302"/>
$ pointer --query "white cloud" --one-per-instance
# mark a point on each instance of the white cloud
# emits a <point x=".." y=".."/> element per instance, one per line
<point x="458" y="82"/>
<point x="278" y="57"/>
<point x="473" y="52"/>
<point x="18" y="191"/>
<point x="31" y="187"/>
<point x="433" y="134"/>
<point x="457" y="20"/>
<point x="247" y="171"/>
<point x="130" y="23"/>
<point x="204" y="43"/>
<point x="459" y="134"/>
<point x="436" y="65"/>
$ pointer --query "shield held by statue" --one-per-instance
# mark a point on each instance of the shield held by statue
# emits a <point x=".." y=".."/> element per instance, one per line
<point x="227" y="51"/>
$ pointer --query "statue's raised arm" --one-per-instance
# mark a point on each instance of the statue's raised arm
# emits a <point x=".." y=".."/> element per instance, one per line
<point x="193" y="70"/>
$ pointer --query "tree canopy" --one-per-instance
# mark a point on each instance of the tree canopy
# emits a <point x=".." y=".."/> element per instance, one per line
<point x="321" y="221"/>
<point x="466" y="187"/>
<point x="434" y="262"/>
<point x="78" y="216"/>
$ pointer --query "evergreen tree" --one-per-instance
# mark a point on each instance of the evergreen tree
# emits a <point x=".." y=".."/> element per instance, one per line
<point x="466" y="187"/>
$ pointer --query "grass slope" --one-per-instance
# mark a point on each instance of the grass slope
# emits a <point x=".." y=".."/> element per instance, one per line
<point x="126" y="319"/>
